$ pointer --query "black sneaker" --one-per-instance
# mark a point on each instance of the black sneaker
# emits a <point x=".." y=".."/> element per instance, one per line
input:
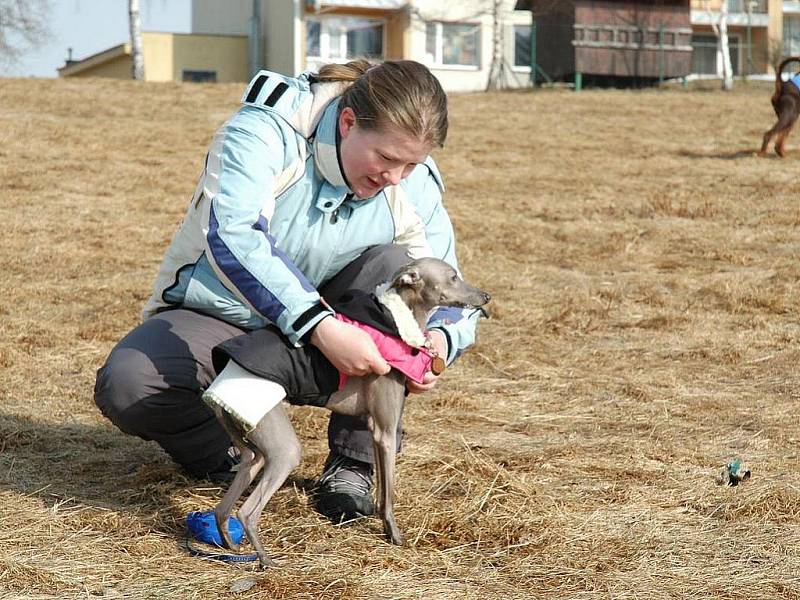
<point x="344" y="490"/>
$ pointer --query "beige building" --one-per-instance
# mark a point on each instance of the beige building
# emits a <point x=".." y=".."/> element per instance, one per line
<point x="755" y="32"/>
<point x="456" y="40"/>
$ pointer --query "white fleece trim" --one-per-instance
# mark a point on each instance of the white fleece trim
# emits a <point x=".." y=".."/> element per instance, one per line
<point x="407" y="326"/>
<point x="307" y="117"/>
<point x="246" y="397"/>
<point x="327" y="160"/>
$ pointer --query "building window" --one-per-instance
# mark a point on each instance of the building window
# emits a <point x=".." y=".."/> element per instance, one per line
<point x="791" y="35"/>
<point x="452" y="44"/>
<point x="742" y="6"/>
<point x="522" y="45"/>
<point x="342" y="38"/>
<point x="312" y="38"/>
<point x="704" y="54"/>
<point x="199" y="76"/>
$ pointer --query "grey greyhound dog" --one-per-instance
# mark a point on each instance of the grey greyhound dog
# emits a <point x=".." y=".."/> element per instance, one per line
<point x="272" y="444"/>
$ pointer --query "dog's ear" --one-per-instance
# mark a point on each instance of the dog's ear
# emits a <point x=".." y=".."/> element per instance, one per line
<point x="410" y="277"/>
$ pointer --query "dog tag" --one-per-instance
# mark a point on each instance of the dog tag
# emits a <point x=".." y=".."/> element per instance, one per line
<point x="437" y="365"/>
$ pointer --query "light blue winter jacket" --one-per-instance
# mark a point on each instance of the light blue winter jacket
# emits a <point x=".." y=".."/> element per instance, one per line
<point x="272" y="218"/>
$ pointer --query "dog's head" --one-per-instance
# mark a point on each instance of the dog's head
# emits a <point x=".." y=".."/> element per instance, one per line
<point x="429" y="282"/>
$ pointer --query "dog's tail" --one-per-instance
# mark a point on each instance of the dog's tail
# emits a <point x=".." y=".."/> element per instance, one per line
<point x="779" y="72"/>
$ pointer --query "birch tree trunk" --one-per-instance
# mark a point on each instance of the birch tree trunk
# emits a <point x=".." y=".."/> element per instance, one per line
<point x="723" y="47"/>
<point x="136" y="40"/>
<point x="495" y="80"/>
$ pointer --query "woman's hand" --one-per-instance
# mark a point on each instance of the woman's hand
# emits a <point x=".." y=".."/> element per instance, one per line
<point x="349" y="349"/>
<point x="439" y="342"/>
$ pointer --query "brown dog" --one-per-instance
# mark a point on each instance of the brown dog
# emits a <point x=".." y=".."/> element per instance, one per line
<point x="786" y="102"/>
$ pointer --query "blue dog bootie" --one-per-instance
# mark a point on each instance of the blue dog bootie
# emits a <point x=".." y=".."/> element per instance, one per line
<point x="202" y="526"/>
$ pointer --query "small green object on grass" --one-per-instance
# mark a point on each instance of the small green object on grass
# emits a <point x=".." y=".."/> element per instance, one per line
<point x="733" y="473"/>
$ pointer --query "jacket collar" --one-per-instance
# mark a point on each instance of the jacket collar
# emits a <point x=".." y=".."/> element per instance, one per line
<point x="326" y="148"/>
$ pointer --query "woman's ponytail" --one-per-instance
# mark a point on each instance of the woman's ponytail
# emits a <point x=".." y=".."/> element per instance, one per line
<point x="343" y="72"/>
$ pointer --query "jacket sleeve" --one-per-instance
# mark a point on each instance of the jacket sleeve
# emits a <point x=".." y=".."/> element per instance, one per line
<point x="424" y="186"/>
<point x="246" y="157"/>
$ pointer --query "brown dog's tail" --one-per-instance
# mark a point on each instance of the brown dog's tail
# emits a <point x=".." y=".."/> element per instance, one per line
<point x="779" y="72"/>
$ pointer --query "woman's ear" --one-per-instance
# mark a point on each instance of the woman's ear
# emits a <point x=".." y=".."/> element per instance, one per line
<point x="347" y="120"/>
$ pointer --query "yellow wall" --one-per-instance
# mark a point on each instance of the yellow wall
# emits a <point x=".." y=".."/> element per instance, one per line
<point x="227" y="55"/>
<point x="157" y="51"/>
<point x="706" y="4"/>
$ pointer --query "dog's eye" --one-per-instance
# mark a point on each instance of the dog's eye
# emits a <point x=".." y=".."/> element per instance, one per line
<point x="454" y="277"/>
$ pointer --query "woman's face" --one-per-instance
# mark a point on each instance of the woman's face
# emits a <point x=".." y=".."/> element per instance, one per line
<point x="374" y="158"/>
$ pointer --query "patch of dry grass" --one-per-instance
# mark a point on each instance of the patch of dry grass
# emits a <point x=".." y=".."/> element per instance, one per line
<point x="643" y="265"/>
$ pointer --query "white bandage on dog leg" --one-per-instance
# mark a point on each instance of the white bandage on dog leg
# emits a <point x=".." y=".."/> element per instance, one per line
<point x="246" y="397"/>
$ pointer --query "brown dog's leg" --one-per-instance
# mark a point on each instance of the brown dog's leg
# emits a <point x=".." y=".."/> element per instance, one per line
<point x="275" y="439"/>
<point x="767" y="137"/>
<point x="779" y="145"/>
<point x="787" y="109"/>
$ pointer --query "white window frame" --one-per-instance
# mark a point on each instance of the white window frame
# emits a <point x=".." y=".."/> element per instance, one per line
<point x="437" y="58"/>
<point x="513" y="53"/>
<point x="325" y="38"/>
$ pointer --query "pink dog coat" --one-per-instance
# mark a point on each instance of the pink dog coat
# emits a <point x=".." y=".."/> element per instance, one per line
<point x="411" y="362"/>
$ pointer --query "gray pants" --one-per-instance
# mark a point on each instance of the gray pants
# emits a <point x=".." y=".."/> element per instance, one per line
<point x="152" y="382"/>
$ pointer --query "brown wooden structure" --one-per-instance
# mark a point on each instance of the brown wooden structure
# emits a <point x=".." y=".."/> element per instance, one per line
<point x="642" y="40"/>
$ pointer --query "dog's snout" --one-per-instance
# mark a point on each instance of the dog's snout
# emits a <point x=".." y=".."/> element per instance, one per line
<point x="486" y="297"/>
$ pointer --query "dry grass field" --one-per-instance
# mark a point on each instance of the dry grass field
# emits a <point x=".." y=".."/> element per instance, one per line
<point x="644" y="267"/>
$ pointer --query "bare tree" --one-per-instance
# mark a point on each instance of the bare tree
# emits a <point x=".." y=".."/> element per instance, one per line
<point x="23" y="25"/>
<point x="136" y="40"/>
<point x="720" y="28"/>
<point x="495" y="80"/>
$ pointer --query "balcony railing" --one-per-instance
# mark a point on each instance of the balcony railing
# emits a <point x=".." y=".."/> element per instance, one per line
<point x="741" y="6"/>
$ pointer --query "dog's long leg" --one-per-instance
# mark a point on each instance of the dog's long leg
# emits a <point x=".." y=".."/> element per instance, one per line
<point x="251" y="463"/>
<point x="386" y="401"/>
<point x="780" y="150"/>
<point x="787" y="110"/>
<point x="380" y="474"/>
<point x="275" y="438"/>
<point x="767" y="137"/>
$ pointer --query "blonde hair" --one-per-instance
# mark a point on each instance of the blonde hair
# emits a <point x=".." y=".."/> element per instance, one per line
<point x="401" y="94"/>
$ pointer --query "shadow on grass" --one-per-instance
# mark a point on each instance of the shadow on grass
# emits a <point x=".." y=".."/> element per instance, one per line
<point x="723" y="155"/>
<point x="95" y="465"/>
<point x="91" y="463"/>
